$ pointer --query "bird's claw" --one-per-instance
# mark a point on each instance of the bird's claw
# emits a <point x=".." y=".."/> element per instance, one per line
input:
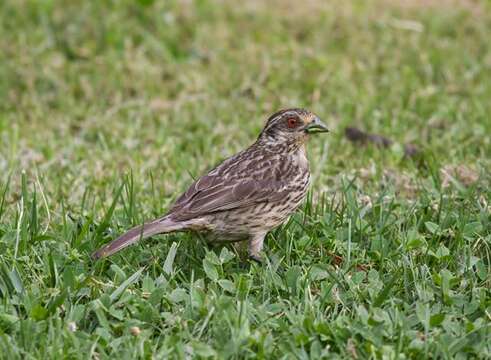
<point x="256" y="258"/>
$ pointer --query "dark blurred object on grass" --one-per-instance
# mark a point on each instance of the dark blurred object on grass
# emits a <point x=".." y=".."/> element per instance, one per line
<point x="359" y="136"/>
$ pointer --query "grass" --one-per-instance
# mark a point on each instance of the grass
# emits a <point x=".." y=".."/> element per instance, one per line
<point x="108" y="111"/>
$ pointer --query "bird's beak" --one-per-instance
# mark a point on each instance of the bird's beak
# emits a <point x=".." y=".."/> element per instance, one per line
<point x="316" y="126"/>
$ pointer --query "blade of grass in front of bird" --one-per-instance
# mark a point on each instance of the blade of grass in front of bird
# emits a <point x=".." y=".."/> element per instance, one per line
<point x="4" y="196"/>
<point x="20" y="228"/>
<point x="53" y="271"/>
<point x="169" y="260"/>
<point x="119" y="290"/>
<point x="336" y="279"/>
<point x="386" y="289"/>
<point x="129" y="199"/>
<point x="6" y="285"/>
<point x="33" y="223"/>
<point x="11" y="279"/>
<point x="84" y="231"/>
<point x="57" y="302"/>
<point x="109" y="213"/>
<point x="45" y="203"/>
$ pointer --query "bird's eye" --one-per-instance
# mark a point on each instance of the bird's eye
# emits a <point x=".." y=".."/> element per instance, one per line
<point x="292" y="123"/>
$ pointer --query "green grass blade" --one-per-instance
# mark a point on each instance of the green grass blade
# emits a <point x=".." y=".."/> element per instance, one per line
<point x="119" y="290"/>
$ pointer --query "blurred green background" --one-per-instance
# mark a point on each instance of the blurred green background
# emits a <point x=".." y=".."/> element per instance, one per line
<point x="150" y="94"/>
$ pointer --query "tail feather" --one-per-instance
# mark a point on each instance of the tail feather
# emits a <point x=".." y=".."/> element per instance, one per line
<point x="160" y="226"/>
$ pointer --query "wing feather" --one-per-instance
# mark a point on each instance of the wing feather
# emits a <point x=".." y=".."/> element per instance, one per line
<point x="239" y="181"/>
<point x="226" y="196"/>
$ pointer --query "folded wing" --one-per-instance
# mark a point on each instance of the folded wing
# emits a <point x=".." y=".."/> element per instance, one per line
<point x="212" y="194"/>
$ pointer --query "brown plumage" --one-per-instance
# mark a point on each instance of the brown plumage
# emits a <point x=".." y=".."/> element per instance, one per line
<point x="245" y="196"/>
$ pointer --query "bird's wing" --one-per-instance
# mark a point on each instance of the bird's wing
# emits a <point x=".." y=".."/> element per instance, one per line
<point x="213" y="193"/>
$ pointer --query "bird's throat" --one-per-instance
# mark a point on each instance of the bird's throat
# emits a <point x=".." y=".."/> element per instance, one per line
<point x="282" y="144"/>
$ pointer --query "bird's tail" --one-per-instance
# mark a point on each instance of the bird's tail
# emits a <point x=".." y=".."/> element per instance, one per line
<point x="160" y="226"/>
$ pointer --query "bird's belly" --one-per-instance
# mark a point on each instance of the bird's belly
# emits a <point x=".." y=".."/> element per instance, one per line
<point x="240" y="224"/>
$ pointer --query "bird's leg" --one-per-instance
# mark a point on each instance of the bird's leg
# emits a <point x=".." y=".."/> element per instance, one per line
<point x="255" y="247"/>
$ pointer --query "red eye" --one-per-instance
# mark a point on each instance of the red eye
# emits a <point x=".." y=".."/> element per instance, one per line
<point x="292" y="122"/>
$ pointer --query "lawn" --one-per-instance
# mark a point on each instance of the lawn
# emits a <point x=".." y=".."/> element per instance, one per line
<point x="109" y="110"/>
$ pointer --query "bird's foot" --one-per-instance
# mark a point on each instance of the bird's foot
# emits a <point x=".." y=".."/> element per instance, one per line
<point x="256" y="258"/>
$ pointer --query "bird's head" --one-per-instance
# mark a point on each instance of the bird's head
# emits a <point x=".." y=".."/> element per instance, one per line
<point x="291" y="128"/>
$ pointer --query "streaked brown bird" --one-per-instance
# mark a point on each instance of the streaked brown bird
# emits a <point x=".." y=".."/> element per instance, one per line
<point x="245" y="196"/>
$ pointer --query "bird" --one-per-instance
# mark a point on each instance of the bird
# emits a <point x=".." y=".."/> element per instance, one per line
<point x="245" y="196"/>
